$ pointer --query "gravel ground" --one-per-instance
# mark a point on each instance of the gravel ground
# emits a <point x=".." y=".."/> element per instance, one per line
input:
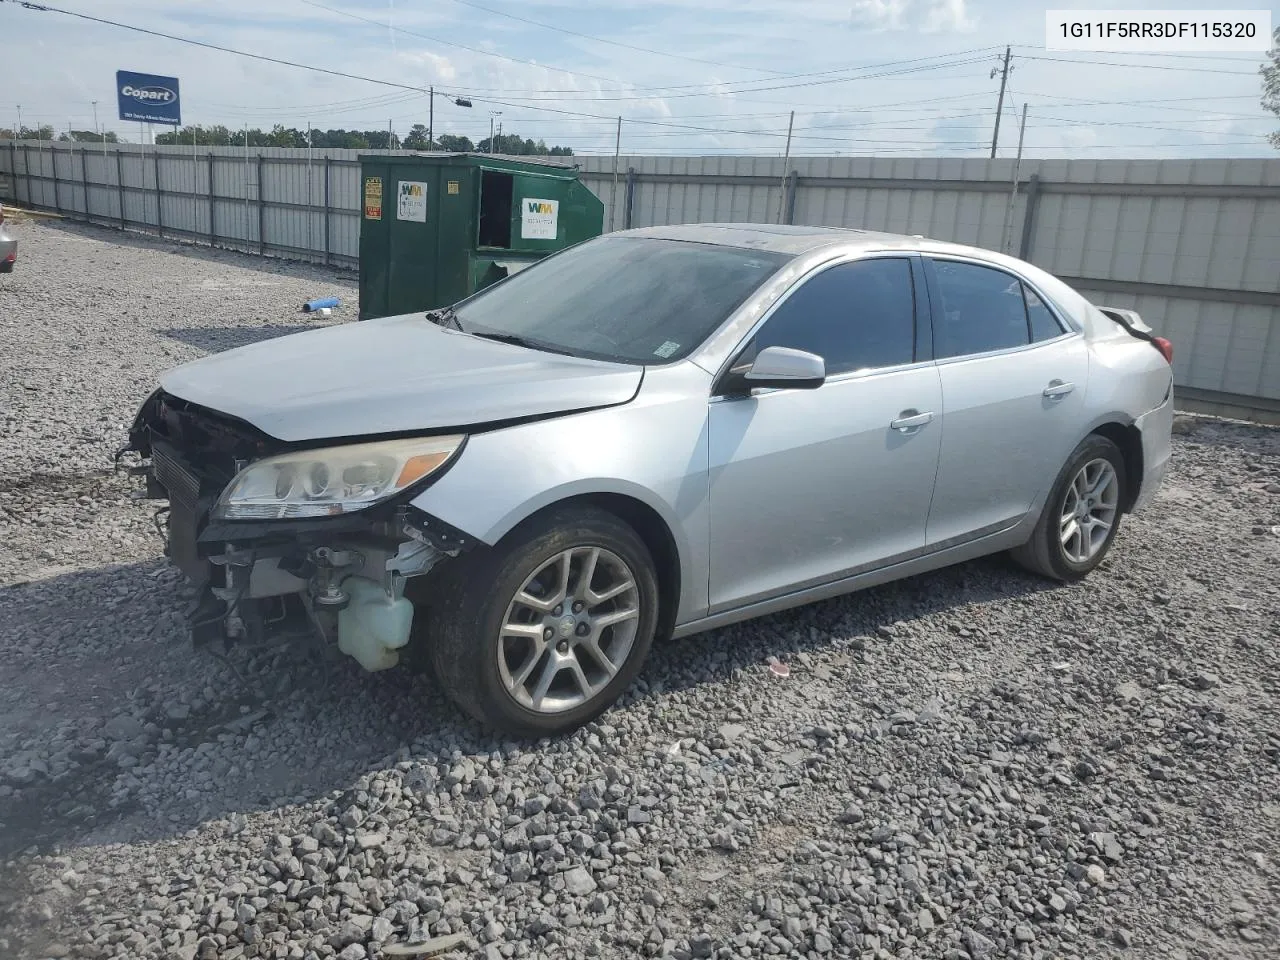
<point x="970" y="764"/>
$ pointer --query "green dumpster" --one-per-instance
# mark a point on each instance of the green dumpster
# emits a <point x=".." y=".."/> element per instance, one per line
<point x="436" y="227"/>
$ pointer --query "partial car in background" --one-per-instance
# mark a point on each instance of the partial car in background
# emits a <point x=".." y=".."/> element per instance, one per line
<point x="8" y="245"/>
<point x="653" y="433"/>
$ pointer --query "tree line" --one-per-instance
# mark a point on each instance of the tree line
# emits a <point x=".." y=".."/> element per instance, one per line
<point x="46" y="132"/>
<point x="279" y="136"/>
<point x="416" y="139"/>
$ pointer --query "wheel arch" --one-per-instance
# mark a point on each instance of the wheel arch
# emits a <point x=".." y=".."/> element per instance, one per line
<point x="649" y="523"/>
<point x="1128" y="438"/>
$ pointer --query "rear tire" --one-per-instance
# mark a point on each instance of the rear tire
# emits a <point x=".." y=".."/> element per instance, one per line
<point x="545" y="631"/>
<point x="1081" y="515"/>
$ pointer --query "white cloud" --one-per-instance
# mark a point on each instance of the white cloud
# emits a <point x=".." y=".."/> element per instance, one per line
<point x="1079" y="136"/>
<point x="441" y="68"/>
<point x="948" y="16"/>
<point x="931" y="16"/>
<point x="878" y="14"/>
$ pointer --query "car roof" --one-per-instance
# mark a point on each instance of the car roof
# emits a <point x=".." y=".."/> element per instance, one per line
<point x="797" y="240"/>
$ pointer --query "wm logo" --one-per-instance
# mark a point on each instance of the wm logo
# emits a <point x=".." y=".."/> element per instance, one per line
<point x="539" y="206"/>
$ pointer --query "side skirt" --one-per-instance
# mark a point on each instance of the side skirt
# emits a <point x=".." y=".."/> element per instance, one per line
<point x="1003" y="539"/>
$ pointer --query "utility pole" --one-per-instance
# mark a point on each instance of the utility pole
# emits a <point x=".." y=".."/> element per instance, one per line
<point x="492" y="114"/>
<point x="1004" y="80"/>
<point x="431" y="118"/>
<point x="389" y="147"/>
<point x="310" y="219"/>
<point x="17" y="134"/>
<point x="786" y="158"/>
<point x="613" y="199"/>
<point x="1006" y="234"/>
<point x="102" y="136"/>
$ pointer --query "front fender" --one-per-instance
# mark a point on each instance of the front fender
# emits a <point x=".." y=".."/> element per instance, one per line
<point x="653" y="450"/>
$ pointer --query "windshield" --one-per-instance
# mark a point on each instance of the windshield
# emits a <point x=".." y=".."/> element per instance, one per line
<point x="627" y="299"/>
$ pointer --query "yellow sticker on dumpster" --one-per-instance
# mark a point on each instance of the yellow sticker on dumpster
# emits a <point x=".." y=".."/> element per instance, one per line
<point x="373" y="198"/>
<point x="453" y="188"/>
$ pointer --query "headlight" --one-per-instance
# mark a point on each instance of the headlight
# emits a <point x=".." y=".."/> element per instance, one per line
<point x="332" y="481"/>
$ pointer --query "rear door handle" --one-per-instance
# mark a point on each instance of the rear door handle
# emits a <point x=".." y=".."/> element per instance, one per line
<point x="1057" y="389"/>
<point x="909" y="421"/>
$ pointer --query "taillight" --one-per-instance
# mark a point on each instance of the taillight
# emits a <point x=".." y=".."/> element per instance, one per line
<point x="1165" y="348"/>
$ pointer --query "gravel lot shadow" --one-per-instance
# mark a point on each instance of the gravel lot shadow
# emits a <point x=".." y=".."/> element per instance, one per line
<point x="882" y="614"/>
<point x="195" y="251"/>
<point x="216" y="339"/>
<point x="115" y="731"/>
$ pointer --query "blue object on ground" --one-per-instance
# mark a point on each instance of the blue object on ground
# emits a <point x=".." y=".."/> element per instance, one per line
<point x="313" y="305"/>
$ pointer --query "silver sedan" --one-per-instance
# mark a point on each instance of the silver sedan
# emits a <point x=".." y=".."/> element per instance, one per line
<point x="8" y="246"/>
<point x="653" y="433"/>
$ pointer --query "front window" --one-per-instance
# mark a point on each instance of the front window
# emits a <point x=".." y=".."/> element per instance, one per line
<point x="626" y="299"/>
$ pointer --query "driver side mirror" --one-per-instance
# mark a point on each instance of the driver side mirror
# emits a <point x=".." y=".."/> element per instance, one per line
<point x="785" y="367"/>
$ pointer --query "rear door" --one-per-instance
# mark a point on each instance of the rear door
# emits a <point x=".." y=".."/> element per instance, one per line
<point x="1013" y="382"/>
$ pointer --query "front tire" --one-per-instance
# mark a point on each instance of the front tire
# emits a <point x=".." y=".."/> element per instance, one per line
<point x="1081" y="516"/>
<point x="544" y="632"/>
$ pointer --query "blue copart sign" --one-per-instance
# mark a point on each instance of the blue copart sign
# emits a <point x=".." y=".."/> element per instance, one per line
<point x="148" y="98"/>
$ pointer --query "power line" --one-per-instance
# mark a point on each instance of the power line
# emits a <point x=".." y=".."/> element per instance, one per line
<point x="715" y="87"/>
<point x="28" y="5"/>
<point x="388" y="83"/>
<point x="1243" y="58"/>
<point x="1141" y="66"/>
<point x="1130" y="126"/>
<point x="460" y="46"/>
<point x="780" y="86"/>
<point x="612" y="43"/>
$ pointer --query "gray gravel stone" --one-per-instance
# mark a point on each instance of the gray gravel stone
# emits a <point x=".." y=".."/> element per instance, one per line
<point x="1004" y="769"/>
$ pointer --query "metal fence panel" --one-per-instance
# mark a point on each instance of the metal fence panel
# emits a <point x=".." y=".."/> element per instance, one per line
<point x="1191" y="244"/>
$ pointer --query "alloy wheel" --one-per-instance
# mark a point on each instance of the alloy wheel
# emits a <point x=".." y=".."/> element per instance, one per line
<point x="1089" y="510"/>
<point x="569" y="629"/>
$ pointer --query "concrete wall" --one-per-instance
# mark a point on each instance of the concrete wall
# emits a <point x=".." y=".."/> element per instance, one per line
<point x="1193" y="245"/>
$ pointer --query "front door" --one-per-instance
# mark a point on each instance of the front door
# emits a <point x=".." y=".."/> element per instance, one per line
<point x="810" y="485"/>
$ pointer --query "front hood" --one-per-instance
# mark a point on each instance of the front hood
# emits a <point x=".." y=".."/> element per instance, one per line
<point x="393" y="375"/>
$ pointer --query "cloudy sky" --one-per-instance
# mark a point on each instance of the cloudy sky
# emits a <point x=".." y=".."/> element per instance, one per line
<point x="688" y="76"/>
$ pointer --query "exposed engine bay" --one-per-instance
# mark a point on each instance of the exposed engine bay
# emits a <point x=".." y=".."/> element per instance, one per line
<point x="342" y="577"/>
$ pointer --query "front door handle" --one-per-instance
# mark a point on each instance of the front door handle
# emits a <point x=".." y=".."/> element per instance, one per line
<point x="1057" y="389"/>
<point x="909" y="421"/>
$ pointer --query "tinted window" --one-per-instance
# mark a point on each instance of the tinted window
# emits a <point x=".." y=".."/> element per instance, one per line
<point x="982" y="309"/>
<point x="855" y="316"/>
<point x="1044" y="325"/>
<point x="630" y="299"/>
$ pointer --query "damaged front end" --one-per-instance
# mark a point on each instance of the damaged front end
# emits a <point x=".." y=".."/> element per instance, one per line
<point x="288" y="538"/>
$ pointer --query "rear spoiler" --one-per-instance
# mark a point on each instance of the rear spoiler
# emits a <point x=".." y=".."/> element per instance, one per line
<point x="1136" y="327"/>
<point x="1131" y="321"/>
